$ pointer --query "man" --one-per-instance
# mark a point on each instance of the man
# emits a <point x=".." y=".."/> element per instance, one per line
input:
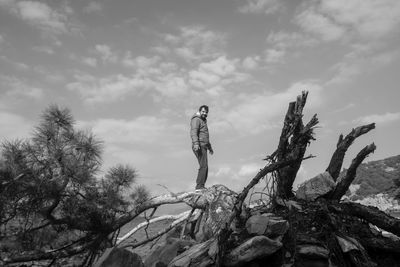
<point x="201" y="143"/>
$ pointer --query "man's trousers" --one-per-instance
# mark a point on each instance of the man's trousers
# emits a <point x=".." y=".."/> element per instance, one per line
<point x="201" y="156"/>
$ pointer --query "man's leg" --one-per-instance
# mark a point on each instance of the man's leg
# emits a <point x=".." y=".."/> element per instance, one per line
<point x="201" y="155"/>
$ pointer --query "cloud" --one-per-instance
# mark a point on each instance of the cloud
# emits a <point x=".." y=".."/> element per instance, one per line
<point x="254" y="113"/>
<point x="90" y="61"/>
<point x="44" y="49"/>
<point x="250" y="169"/>
<point x="378" y="118"/>
<point x="196" y="43"/>
<point x="93" y="7"/>
<point x="140" y="62"/>
<point x="106" y="54"/>
<point x="150" y="76"/>
<point x="41" y="15"/>
<point x="362" y="59"/>
<point x="215" y="75"/>
<point x="144" y="129"/>
<point x="19" y="88"/>
<point x="332" y="20"/>
<point x="370" y="18"/>
<point x="274" y="55"/>
<point x="13" y="126"/>
<point x="313" y="21"/>
<point x="109" y="89"/>
<point x="251" y="62"/>
<point x="261" y="6"/>
<point x="284" y="40"/>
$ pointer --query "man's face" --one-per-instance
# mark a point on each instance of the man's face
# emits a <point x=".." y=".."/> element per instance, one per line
<point x="203" y="113"/>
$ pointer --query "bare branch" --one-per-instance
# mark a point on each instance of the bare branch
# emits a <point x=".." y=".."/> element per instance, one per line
<point x="171" y="226"/>
<point x="370" y="214"/>
<point x="343" y="184"/>
<point x="186" y="214"/>
<point x="190" y="198"/>
<point x="335" y="165"/>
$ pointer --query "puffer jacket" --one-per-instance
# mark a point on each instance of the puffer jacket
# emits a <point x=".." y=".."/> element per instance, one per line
<point x="199" y="131"/>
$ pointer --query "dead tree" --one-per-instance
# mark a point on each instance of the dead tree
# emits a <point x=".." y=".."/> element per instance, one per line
<point x="293" y="142"/>
<point x="335" y="165"/>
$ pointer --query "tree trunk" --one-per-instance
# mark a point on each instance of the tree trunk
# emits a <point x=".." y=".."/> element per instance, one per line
<point x="292" y="145"/>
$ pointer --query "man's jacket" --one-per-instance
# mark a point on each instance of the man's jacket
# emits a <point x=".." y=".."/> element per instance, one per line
<point x="199" y="131"/>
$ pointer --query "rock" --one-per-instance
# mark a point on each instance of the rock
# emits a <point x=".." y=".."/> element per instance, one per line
<point x="202" y="254"/>
<point x="162" y="256"/>
<point x="266" y="224"/>
<point x="254" y="248"/>
<point x="313" y="252"/>
<point x="119" y="257"/>
<point x="221" y="201"/>
<point x="316" y="187"/>
<point x="347" y="243"/>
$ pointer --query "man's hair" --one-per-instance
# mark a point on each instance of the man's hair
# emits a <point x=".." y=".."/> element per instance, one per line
<point x="203" y="106"/>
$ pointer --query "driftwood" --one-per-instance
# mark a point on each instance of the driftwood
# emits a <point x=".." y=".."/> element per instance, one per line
<point x="335" y="165"/>
<point x="293" y="142"/>
<point x="343" y="185"/>
<point x="231" y="245"/>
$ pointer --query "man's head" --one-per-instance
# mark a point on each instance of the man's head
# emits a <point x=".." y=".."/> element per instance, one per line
<point x="203" y="110"/>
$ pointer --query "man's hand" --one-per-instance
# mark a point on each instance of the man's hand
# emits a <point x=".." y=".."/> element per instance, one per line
<point x="196" y="147"/>
<point x="211" y="150"/>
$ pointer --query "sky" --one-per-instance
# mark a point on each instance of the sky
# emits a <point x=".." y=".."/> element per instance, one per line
<point x="134" y="72"/>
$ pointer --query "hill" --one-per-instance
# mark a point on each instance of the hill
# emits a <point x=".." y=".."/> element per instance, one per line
<point x="375" y="184"/>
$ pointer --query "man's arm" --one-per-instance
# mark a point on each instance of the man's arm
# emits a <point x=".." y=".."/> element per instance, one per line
<point x="194" y="132"/>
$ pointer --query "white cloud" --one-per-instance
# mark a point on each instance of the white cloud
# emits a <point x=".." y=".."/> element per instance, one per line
<point x="331" y="20"/>
<point x="144" y="129"/>
<point x="109" y="89"/>
<point x="362" y="59"/>
<point x="259" y="112"/>
<point x="93" y="7"/>
<point x="215" y="75"/>
<point x="250" y="169"/>
<point x="378" y="118"/>
<point x="44" y="49"/>
<point x="140" y="62"/>
<point x="13" y="126"/>
<point x="196" y="43"/>
<point x="41" y="15"/>
<point x="370" y="18"/>
<point x="106" y="54"/>
<point x="274" y="55"/>
<point x="19" y="88"/>
<point x="90" y="61"/>
<point x="311" y="20"/>
<point x="251" y="63"/>
<point x="283" y="40"/>
<point x="261" y="6"/>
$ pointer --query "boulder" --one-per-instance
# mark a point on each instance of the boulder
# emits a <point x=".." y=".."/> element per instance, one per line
<point x="119" y="257"/>
<point x="266" y="224"/>
<point x="347" y="243"/>
<point x="221" y="201"/>
<point x="162" y="256"/>
<point x="254" y="248"/>
<point x="315" y="187"/>
<point x="203" y="254"/>
<point x="313" y="252"/>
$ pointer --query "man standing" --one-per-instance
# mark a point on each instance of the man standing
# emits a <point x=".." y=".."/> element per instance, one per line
<point x="201" y="143"/>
